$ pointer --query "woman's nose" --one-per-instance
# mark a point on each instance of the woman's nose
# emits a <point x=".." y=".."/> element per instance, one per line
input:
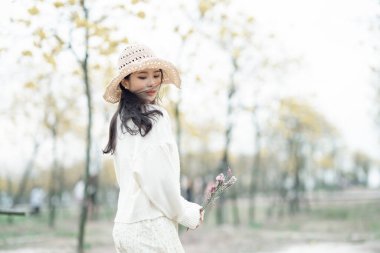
<point x="152" y="81"/>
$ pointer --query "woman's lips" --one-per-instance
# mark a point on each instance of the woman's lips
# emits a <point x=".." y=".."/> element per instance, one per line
<point x="151" y="92"/>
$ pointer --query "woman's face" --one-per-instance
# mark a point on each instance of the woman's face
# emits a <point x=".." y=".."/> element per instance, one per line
<point x="144" y="83"/>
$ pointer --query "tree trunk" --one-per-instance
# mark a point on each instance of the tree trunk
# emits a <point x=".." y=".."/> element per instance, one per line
<point x="10" y="193"/>
<point x="178" y="125"/>
<point x="52" y="197"/>
<point x="298" y="164"/>
<point x="254" y="171"/>
<point x="225" y="159"/>
<point x="298" y="186"/>
<point x="177" y="115"/>
<point x="84" y="209"/>
<point x="220" y="203"/>
<point x="235" y="206"/>
<point x="61" y="182"/>
<point x="25" y="176"/>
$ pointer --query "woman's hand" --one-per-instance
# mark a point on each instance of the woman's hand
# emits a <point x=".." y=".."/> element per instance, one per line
<point x="202" y="213"/>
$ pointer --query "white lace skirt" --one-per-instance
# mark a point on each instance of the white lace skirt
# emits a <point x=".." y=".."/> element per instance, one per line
<point x="159" y="235"/>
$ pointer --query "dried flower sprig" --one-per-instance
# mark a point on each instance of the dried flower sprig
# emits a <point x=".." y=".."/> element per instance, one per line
<point x="216" y="189"/>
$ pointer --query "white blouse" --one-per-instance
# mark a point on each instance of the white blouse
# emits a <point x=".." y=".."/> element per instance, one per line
<point x="148" y="173"/>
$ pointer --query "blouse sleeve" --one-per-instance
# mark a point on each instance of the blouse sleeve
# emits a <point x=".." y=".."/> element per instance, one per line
<point x="156" y="175"/>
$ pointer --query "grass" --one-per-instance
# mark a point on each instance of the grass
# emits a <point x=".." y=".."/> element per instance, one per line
<point x="339" y="219"/>
<point x="363" y="217"/>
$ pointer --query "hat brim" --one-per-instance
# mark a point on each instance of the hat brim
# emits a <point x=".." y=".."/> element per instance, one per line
<point x="171" y="75"/>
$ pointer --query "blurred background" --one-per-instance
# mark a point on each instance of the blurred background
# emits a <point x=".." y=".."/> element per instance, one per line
<point x="285" y="93"/>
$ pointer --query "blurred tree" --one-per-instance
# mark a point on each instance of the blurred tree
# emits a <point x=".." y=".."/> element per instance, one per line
<point x="253" y="188"/>
<point x="25" y="175"/>
<point x="82" y="36"/>
<point x="233" y="31"/>
<point x="362" y="164"/>
<point x="59" y="121"/>
<point x="21" y="110"/>
<point x="300" y="128"/>
<point x="374" y="27"/>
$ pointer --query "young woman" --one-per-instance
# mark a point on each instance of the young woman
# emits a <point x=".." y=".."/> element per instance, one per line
<point x="146" y="159"/>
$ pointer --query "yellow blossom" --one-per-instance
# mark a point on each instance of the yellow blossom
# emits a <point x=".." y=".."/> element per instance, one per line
<point x="33" y="10"/>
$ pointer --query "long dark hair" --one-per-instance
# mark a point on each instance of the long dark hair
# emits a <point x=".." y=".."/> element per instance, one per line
<point x="131" y="107"/>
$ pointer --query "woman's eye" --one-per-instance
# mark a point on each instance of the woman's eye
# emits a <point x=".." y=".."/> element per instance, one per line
<point x="142" y="77"/>
<point x="157" y="76"/>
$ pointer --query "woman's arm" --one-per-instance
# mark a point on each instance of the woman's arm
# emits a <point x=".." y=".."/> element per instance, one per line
<point x="155" y="172"/>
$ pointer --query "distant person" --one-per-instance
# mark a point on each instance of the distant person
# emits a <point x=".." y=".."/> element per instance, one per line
<point x="147" y="165"/>
<point x="37" y="196"/>
<point x="92" y="195"/>
<point x="198" y="186"/>
<point x="189" y="190"/>
<point x="78" y="192"/>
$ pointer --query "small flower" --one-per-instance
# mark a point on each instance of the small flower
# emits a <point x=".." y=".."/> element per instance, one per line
<point x="207" y="191"/>
<point x="231" y="181"/>
<point x="213" y="189"/>
<point x="220" y="178"/>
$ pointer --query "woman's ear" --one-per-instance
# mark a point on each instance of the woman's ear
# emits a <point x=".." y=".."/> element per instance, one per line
<point x="125" y="83"/>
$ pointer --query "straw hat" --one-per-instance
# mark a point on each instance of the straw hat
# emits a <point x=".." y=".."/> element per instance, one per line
<point x="136" y="57"/>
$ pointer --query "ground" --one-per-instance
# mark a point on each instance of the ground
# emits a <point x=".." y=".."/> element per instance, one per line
<point x="338" y="229"/>
<point x="208" y="239"/>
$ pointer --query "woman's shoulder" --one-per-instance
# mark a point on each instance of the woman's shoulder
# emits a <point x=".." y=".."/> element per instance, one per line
<point x="158" y="121"/>
<point x="162" y="125"/>
<point x="165" y="115"/>
<point x="158" y="107"/>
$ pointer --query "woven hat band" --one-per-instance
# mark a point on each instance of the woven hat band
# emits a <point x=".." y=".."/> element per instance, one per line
<point x="133" y="54"/>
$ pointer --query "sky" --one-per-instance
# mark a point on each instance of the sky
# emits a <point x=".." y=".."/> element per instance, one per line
<point x="336" y="45"/>
<point x="334" y="41"/>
